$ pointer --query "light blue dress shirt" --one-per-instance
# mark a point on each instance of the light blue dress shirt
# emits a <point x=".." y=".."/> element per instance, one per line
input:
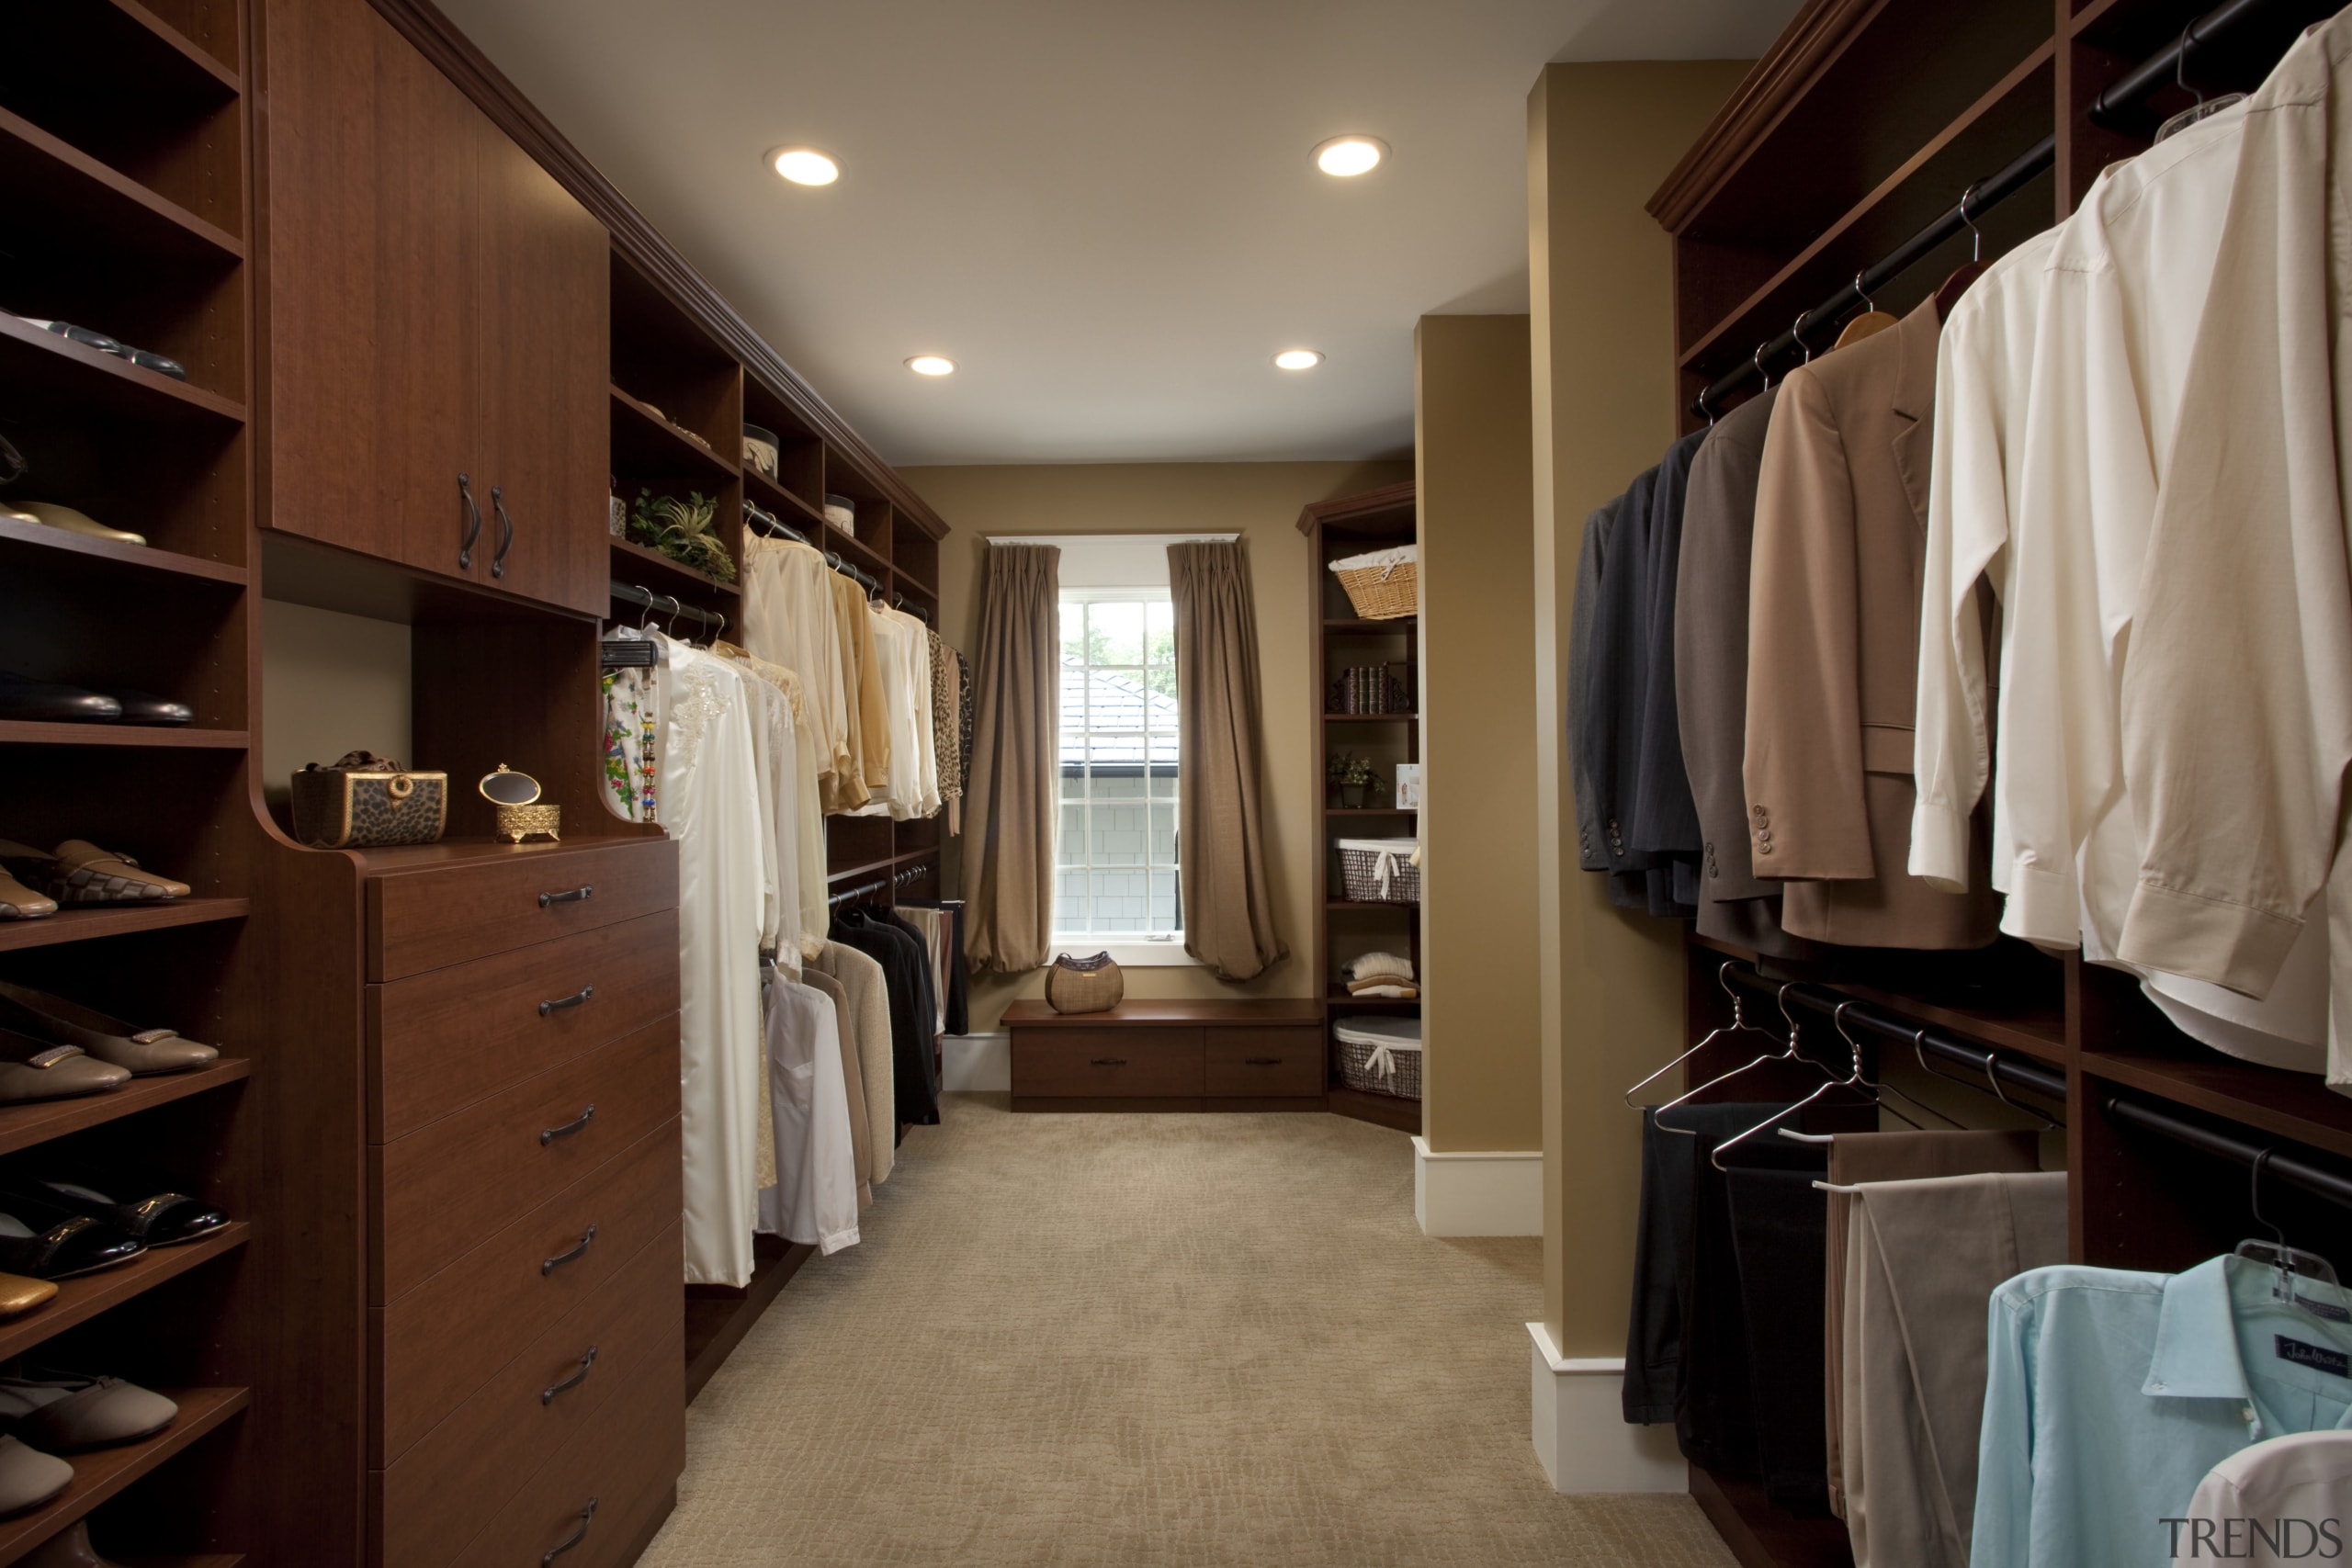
<point x="2110" y="1393"/>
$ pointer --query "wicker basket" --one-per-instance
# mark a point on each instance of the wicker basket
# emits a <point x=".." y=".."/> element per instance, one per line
<point x="1380" y="870"/>
<point x="1381" y="1055"/>
<point x="1084" y="985"/>
<point x="1383" y="586"/>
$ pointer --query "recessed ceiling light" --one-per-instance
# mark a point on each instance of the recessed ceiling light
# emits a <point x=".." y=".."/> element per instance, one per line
<point x="931" y="365"/>
<point x="1347" y="156"/>
<point x="805" y="166"/>
<point x="1298" y="359"/>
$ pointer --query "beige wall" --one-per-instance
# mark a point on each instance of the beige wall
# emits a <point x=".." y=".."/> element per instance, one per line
<point x="1600" y="140"/>
<point x="1259" y="501"/>
<point x="1482" y="1073"/>
<point x="329" y="684"/>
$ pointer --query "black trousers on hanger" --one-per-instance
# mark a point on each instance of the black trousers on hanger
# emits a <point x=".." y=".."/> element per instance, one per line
<point x="1778" y="1229"/>
<point x="1663" y="1235"/>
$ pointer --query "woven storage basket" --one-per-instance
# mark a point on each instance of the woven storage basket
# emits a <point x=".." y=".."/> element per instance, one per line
<point x="1381" y="1055"/>
<point x="1383" y="586"/>
<point x="1380" y="870"/>
<point x="1084" y="985"/>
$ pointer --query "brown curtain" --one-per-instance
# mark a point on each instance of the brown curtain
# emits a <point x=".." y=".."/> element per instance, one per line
<point x="1221" y="830"/>
<point x="1015" y="770"/>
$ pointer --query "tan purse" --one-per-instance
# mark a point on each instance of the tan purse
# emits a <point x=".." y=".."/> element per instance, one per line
<point x="1084" y="985"/>
<point x="364" y="801"/>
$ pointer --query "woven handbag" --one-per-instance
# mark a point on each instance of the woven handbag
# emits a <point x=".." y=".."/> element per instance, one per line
<point x="1084" y="985"/>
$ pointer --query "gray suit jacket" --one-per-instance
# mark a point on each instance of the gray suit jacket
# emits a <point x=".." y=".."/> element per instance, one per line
<point x="1592" y="847"/>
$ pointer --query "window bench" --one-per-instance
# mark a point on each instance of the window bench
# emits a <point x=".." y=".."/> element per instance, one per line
<point x="1171" y="1056"/>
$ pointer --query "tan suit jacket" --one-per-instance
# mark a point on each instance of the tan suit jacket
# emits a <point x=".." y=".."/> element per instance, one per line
<point x="1833" y="649"/>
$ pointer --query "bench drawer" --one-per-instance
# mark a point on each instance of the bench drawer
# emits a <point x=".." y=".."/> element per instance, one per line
<point x="1129" y="1063"/>
<point x="1266" y="1063"/>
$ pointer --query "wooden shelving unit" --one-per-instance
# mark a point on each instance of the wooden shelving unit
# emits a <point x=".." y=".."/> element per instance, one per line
<point x="1861" y="125"/>
<point x="1346" y="928"/>
<point x="88" y="922"/>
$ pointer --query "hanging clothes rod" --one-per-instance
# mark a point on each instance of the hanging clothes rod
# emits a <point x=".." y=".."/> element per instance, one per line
<point x="762" y="520"/>
<point x="895" y="879"/>
<point x="902" y="602"/>
<point x="2167" y="67"/>
<point x="1981" y="1062"/>
<point x="666" y="603"/>
<point x="2158" y="71"/>
<point x="871" y="584"/>
<point x="2287" y="1167"/>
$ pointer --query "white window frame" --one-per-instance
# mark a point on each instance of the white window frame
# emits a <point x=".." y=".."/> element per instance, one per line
<point x="1129" y="948"/>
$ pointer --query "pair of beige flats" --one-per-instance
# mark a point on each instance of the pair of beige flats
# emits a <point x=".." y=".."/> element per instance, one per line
<point x="54" y="1049"/>
<point x="67" y="1413"/>
<point x="32" y="884"/>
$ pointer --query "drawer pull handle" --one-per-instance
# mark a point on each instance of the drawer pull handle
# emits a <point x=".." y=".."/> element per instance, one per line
<point x="1110" y="1062"/>
<point x="560" y="1258"/>
<point x="587" y="1517"/>
<point x="573" y="897"/>
<point x="552" y="1133"/>
<point x="1262" y="1061"/>
<point x="587" y="1364"/>
<point x="574" y="1001"/>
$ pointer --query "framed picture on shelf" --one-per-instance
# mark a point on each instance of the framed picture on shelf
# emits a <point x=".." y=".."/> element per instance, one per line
<point x="1408" y="786"/>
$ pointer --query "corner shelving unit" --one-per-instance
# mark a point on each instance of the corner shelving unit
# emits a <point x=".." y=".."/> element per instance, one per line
<point x="1345" y="928"/>
<point x="138" y="197"/>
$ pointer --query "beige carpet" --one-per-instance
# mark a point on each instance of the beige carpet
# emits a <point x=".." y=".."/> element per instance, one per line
<point x="1147" y="1339"/>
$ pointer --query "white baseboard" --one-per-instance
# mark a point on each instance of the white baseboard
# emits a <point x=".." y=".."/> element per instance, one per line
<point x="980" y="1064"/>
<point x="1484" y="1193"/>
<point x="1581" y="1436"/>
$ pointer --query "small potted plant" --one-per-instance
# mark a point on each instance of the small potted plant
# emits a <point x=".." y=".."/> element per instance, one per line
<point x="1357" y="781"/>
<point x="1335" y="778"/>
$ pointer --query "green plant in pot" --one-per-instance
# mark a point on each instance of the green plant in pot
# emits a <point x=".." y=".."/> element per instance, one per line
<point x="1354" y="777"/>
<point x="687" y="531"/>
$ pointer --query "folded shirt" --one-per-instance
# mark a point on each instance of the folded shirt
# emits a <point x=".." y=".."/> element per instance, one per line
<point x="1380" y="964"/>
<point x="1384" y="990"/>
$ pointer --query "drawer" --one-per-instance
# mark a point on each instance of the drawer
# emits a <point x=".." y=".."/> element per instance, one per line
<point x="441" y="1494"/>
<point x="446" y="914"/>
<point x="1130" y="1062"/>
<point x="442" y="1040"/>
<point x="444" y="1187"/>
<point x="443" y="1339"/>
<point x="626" y="1464"/>
<point x="1286" y="1062"/>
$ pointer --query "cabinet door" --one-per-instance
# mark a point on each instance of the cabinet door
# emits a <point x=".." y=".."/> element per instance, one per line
<point x="544" y="276"/>
<point x="373" y="156"/>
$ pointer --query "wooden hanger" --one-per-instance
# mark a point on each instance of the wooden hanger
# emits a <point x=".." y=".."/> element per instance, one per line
<point x="1870" y="323"/>
<point x="1957" y="284"/>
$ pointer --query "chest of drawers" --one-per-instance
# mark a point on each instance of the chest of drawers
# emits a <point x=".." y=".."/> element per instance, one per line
<point x="524" y="1252"/>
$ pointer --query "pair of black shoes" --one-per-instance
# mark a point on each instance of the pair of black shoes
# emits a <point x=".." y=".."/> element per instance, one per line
<point x="47" y="702"/>
<point x="52" y="1229"/>
<point x="146" y="359"/>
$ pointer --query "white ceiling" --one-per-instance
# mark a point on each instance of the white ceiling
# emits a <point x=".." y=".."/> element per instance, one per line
<point x="1103" y="210"/>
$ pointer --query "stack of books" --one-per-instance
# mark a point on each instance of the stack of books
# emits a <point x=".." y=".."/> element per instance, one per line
<point x="1374" y="688"/>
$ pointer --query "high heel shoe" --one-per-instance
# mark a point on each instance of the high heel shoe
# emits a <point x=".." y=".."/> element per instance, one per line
<point x="70" y="1547"/>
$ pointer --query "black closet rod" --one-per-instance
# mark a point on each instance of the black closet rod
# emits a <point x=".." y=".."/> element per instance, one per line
<point x="1977" y="1059"/>
<point x="2164" y="69"/>
<point x="763" y="520"/>
<point x="667" y="603"/>
<point x="2158" y="71"/>
<point x="2287" y="1167"/>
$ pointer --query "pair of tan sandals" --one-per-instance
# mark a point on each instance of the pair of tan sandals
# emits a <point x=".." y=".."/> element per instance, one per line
<point x="32" y="884"/>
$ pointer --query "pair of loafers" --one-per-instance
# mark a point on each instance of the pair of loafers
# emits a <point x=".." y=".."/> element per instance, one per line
<point x="51" y="702"/>
<point x="77" y="873"/>
<point x="64" y="1412"/>
<point x="58" y="1230"/>
<point x="101" y="1037"/>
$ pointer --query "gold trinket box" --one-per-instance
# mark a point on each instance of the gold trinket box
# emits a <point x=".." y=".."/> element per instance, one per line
<point x="520" y="816"/>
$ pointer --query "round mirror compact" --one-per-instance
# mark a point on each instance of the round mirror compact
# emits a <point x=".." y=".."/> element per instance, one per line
<point x="520" y="816"/>
<point x="506" y="789"/>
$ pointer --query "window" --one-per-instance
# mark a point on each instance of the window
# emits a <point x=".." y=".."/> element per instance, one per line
<point x="1115" y="847"/>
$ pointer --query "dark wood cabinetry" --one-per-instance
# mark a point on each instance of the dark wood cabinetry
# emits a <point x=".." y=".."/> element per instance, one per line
<point x="1168" y="1056"/>
<point x="438" y="380"/>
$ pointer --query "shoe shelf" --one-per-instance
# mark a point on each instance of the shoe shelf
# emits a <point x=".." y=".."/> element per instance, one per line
<point x="88" y="923"/>
<point x="788" y="507"/>
<point x="103" y="1474"/>
<point x="650" y="568"/>
<point x="39" y="365"/>
<point x="44" y="178"/>
<point x="36" y="545"/>
<point x="18" y="732"/>
<point x="23" y="1126"/>
<point x="647" y="441"/>
<point x="142" y="52"/>
<point x="80" y="1298"/>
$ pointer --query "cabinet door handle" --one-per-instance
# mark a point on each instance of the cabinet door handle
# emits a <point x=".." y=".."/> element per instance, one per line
<point x="574" y="1001"/>
<point x="1109" y="1062"/>
<point x="505" y="532"/>
<point x="572" y="896"/>
<point x="473" y="523"/>
<point x="587" y="1517"/>
<point x="1262" y="1061"/>
<point x="552" y="1133"/>
<point x="587" y="1239"/>
<point x="587" y="1364"/>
